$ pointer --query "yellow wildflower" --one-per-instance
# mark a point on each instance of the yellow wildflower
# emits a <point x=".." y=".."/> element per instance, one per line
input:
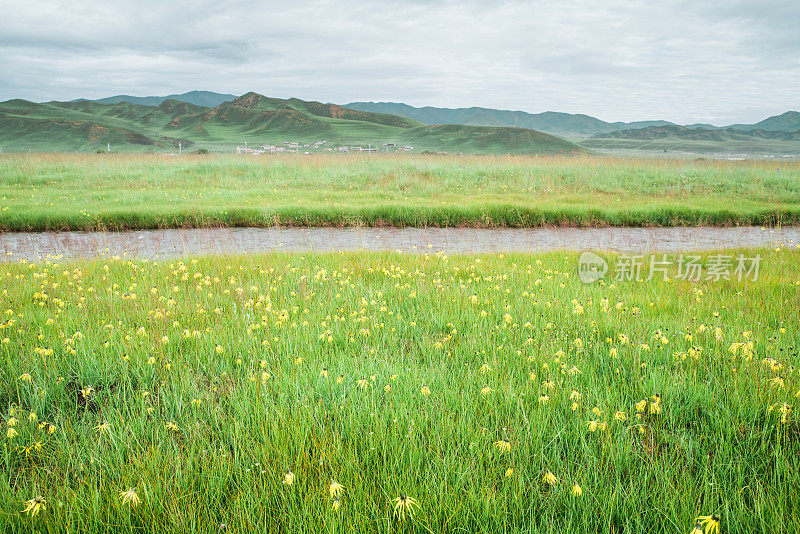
<point x="404" y="505"/>
<point x="129" y="497"/>
<point x="33" y="506"/>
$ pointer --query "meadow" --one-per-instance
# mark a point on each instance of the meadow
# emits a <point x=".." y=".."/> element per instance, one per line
<point x="394" y="393"/>
<point x="110" y="191"/>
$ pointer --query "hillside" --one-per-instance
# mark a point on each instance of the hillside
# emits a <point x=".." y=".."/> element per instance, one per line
<point x="488" y="140"/>
<point x="580" y="127"/>
<point x="697" y="139"/>
<point x="207" y="99"/>
<point x="250" y="118"/>
<point x="785" y="122"/>
<point x="555" y="123"/>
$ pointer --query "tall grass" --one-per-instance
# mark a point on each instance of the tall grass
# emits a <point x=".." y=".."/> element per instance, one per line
<point x="57" y="192"/>
<point x="216" y="376"/>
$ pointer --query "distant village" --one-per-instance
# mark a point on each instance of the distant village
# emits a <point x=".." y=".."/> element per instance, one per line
<point x="317" y="146"/>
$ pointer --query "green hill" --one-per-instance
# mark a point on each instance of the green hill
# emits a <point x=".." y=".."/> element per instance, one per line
<point x="579" y="127"/>
<point x="207" y="99"/>
<point x="487" y="140"/>
<point x="785" y="122"/>
<point x="251" y="118"/>
<point x="674" y="138"/>
<point x="562" y="124"/>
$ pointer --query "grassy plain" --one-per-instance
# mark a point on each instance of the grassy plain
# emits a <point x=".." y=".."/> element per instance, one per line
<point x="180" y="395"/>
<point x="56" y="192"/>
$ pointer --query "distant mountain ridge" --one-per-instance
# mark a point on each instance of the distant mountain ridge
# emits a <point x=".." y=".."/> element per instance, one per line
<point x="576" y="126"/>
<point x="208" y="99"/>
<point x="555" y="123"/>
<point x="699" y="139"/>
<point x="552" y="122"/>
<point x="729" y="133"/>
<point x="87" y="125"/>
<point x="785" y="122"/>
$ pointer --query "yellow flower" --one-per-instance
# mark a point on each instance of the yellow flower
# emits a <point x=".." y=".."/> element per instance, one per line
<point x="778" y="382"/>
<point x="339" y="379"/>
<point x="592" y="425"/>
<point x="543" y="399"/>
<point x="324" y="372"/>
<point x="404" y="505"/>
<point x="710" y="522"/>
<point x="785" y="410"/>
<point x="129" y="497"/>
<point x="576" y="490"/>
<point x="25" y="377"/>
<point x="288" y="478"/>
<point x="426" y="390"/>
<point x="102" y="427"/>
<point x="503" y="445"/>
<point x="549" y="478"/>
<point x="698" y="529"/>
<point x="509" y="472"/>
<point x="336" y="504"/>
<point x="33" y="506"/>
<point x="486" y="390"/>
<point x="335" y="489"/>
<point x="641" y="405"/>
<point x="620" y="416"/>
<point x="10" y="433"/>
<point x="171" y="426"/>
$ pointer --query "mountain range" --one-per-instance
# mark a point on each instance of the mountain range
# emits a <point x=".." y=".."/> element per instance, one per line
<point x="215" y="120"/>
<point x="736" y="139"/>
<point x="87" y="125"/>
<point x="574" y="126"/>
<point x="552" y="122"/>
<point x="206" y="99"/>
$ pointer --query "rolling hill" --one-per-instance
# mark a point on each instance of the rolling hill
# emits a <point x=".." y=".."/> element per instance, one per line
<point x="579" y="127"/>
<point x="206" y="99"/>
<point x="253" y="118"/>
<point x="562" y="124"/>
<point x="696" y="139"/>
<point x="785" y="122"/>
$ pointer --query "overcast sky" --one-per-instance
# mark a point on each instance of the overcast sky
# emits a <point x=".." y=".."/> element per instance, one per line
<point x="685" y="61"/>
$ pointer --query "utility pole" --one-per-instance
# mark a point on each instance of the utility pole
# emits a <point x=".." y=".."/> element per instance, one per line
<point x="108" y="147"/>
<point x="180" y="148"/>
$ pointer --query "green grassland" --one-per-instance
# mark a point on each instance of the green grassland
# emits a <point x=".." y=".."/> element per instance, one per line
<point x="253" y="118"/>
<point x="177" y="396"/>
<point x="58" y="192"/>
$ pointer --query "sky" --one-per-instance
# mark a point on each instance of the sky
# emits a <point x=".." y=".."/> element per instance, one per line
<point x="721" y="62"/>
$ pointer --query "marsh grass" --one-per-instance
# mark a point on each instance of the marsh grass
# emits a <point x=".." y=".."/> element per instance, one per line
<point x="59" y="192"/>
<point x="231" y="351"/>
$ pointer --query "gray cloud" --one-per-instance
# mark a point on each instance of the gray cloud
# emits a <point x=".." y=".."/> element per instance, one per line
<point x="687" y="61"/>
